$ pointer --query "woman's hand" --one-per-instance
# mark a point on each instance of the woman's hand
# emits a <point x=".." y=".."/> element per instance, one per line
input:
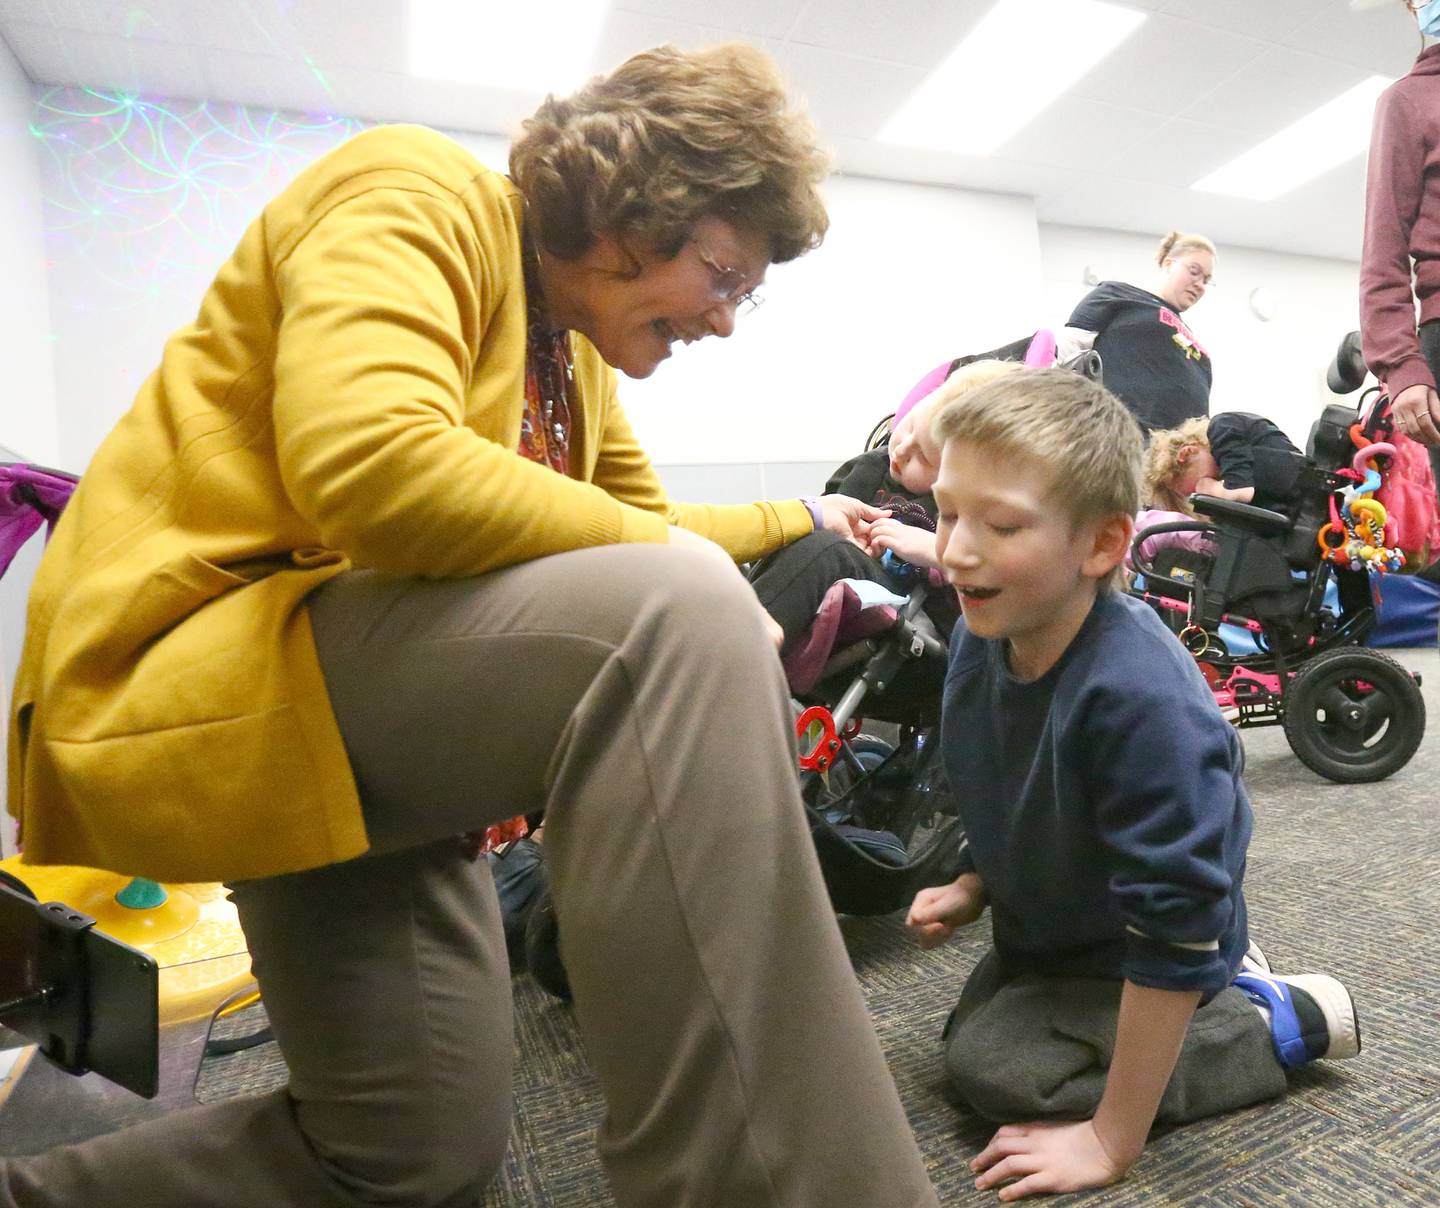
<point x="1047" y="1157"/>
<point x="937" y="912"/>
<point x="1416" y="411"/>
<point x="848" y="517"/>
<point x="909" y="543"/>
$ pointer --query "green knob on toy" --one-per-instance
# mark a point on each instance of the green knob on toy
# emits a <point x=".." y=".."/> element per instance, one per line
<point x="141" y="894"/>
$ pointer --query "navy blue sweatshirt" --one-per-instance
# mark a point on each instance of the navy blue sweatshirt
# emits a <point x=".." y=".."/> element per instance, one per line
<point x="1103" y="804"/>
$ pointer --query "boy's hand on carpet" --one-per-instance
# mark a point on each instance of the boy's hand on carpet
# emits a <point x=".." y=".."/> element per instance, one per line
<point x="1044" y="1158"/>
<point x="936" y="912"/>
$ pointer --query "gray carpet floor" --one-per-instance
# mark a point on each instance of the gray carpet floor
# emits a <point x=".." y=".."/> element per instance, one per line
<point x="1343" y="880"/>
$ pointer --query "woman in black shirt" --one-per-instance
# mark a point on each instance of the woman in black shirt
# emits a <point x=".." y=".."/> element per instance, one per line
<point x="1153" y="362"/>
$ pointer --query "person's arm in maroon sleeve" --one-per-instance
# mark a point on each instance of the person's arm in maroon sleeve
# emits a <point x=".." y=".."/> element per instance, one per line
<point x="1393" y="192"/>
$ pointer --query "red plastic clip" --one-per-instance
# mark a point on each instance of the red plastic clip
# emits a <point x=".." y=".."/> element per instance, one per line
<point x="826" y="747"/>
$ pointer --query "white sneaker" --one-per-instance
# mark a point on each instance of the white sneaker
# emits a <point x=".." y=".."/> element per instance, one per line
<point x="1342" y="1023"/>
<point x="1254" y="960"/>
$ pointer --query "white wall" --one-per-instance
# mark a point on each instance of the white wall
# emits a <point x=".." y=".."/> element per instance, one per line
<point x="1275" y="368"/>
<point x="133" y="241"/>
<point x="908" y="276"/>
<point x="28" y="425"/>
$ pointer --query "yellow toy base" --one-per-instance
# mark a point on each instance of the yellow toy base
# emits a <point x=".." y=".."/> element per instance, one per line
<point x="194" y="936"/>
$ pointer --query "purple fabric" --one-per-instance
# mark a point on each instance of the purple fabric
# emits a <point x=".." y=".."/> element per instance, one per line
<point x="1200" y="542"/>
<point x="29" y="496"/>
<point x="840" y="620"/>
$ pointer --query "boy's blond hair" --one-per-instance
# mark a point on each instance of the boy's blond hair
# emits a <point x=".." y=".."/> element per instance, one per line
<point x="1166" y="456"/>
<point x="1076" y="429"/>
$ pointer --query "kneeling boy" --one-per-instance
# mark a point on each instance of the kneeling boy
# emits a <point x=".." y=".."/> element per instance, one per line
<point x="1105" y="815"/>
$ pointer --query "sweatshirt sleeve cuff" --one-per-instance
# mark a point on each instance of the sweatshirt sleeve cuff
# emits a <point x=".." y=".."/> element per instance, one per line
<point x="1412" y="371"/>
<point x="1165" y="966"/>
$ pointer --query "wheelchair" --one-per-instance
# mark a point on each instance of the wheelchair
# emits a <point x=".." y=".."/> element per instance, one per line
<point x="882" y="816"/>
<point x="1299" y="591"/>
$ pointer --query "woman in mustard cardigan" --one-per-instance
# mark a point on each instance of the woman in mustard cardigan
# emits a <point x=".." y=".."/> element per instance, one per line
<point x="375" y="560"/>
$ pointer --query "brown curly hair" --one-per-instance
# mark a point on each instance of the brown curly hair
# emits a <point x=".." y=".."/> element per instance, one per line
<point x="1165" y="457"/>
<point x="667" y="138"/>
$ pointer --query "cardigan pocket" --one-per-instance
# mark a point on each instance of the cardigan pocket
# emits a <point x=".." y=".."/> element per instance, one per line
<point x="176" y="591"/>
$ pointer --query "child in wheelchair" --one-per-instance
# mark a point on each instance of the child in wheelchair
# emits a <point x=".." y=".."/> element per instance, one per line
<point x="792" y="583"/>
<point x="1233" y="455"/>
<point x="1276" y="598"/>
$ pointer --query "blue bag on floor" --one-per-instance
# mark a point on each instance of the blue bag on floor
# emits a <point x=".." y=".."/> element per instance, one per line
<point x="1408" y="613"/>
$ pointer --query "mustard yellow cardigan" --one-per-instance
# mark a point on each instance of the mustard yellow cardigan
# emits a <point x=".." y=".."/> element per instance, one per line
<point x="350" y="394"/>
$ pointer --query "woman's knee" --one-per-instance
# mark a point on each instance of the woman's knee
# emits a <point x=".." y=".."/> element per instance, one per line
<point x="698" y="592"/>
<point x="429" y="1159"/>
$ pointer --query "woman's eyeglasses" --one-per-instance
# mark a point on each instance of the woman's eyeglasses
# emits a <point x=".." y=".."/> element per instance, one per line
<point x="728" y="284"/>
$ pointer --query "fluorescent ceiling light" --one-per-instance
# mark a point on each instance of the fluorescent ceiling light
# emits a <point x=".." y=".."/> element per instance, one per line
<point x="1337" y="131"/>
<point x="1022" y="55"/>
<point x="539" y="47"/>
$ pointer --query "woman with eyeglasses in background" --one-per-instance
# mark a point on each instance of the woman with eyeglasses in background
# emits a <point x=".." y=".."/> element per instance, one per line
<point x="1153" y="362"/>
<point x="373" y="561"/>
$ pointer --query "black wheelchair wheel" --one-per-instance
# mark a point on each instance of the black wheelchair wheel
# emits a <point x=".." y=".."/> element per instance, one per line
<point x="1354" y="715"/>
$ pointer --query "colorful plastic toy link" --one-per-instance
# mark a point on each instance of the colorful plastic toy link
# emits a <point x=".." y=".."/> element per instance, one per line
<point x="1356" y="534"/>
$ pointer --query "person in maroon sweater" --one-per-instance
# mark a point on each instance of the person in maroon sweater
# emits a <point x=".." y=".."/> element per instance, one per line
<point x="1402" y="224"/>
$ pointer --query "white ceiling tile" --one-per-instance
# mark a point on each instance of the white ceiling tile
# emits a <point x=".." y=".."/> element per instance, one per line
<point x="1080" y="134"/>
<point x="918" y="32"/>
<point x="355" y="33"/>
<point x="448" y="104"/>
<point x="626" y="33"/>
<point x="261" y="26"/>
<point x="761" y="18"/>
<point x="60" y="56"/>
<point x="1267" y="95"/>
<point x="864" y="157"/>
<point x="1179" y="153"/>
<point x="1264" y="19"/>
<point x="846" y="94"/>
<point x="1382" y="39"/>
<point x="267" y="80"/>
<point x="156" y="21"/>
<point x="1166" y="64"/>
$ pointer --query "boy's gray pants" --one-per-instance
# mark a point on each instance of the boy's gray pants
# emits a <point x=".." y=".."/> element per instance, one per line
<point x="632" y="692"/>
<point x="1033" y="1047"/>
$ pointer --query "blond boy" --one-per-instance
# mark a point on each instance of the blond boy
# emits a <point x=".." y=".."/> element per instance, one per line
<point x="1106" y="819"/>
